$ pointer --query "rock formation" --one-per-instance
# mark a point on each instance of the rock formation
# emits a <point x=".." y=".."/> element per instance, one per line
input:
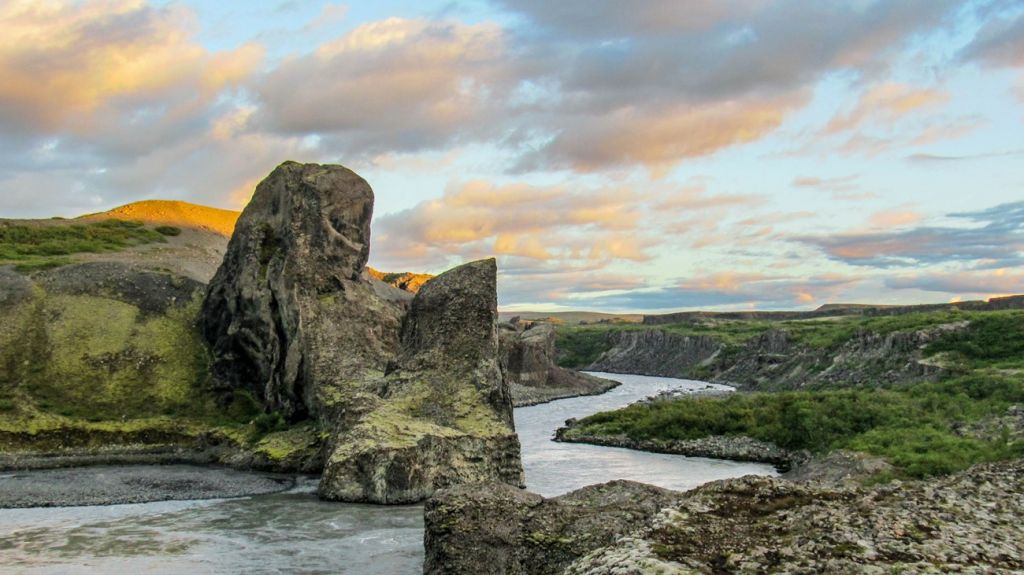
<point x="774" y="360"/>
<point x="529" y="358"/>
<point x="411" y="392"/>
<point x="444" y="415"/>
<point x="288" y="314"/>
<point x="497" y="529"/>
<point x="964" y="523"/>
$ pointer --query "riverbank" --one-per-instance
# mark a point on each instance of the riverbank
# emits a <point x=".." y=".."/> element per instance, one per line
<point x="733" y="448"/>
<point x="113" y="485"/>
<point x="525" y="396"/>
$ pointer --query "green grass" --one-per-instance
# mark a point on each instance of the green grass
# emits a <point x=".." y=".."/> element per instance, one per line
<point x="911" y="426"/>
<point x="580" y="346"/>
<point x="36" y="247"/>
<point x="994" y="339"/>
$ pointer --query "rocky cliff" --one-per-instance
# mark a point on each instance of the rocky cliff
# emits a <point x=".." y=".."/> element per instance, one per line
<point x="412" y="393"/>
<point x="775" y="359"/>
<point x="965" y="523"/>
<point x="534" y="377"/>
<point x="443" y="415"/>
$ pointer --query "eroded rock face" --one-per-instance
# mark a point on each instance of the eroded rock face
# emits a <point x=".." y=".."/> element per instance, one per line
<point x="444" y="415"/>
<point x="965" y="523"/>
<point x="497" y="529"/>
<point x="533" y="376"/>
<point x="289" y="315"/>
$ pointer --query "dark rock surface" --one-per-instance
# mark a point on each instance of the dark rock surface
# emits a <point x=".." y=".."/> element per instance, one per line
<point x="289" y="314"/>
<point x="153" y="292"/>
<point x="497" y="529"/>
<point x="444" y="413"/>
<point x="14" y="287"/>
<point x="655" y="352"/>
<point x="529" y="359"/>
<point x="965" y="523"/>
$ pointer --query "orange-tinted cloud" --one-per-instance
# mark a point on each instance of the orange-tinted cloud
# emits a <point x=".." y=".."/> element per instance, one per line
<point x="71" y="65"/>
<point x="886" y="103"/>
<point x="659" y="137"/>
<point x="391" y="85"/>
<point x="894" y="218"/>
<point x="572" y="226"/>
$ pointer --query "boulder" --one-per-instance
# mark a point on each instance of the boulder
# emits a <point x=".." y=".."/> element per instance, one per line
<point x="289" y="315"/>
<point x="444" y="414"/>
<point x="500" y="530"/>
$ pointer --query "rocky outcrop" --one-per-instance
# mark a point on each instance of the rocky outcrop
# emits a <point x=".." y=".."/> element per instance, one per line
<point x="412" y="393"/>
<point x="533" y="376"/>
<point x="444" y="414"/>
<point x="497" y="529"/>
<point x="655" y="352"/>
<point x="288" y="315"/>
<point x="965" y="523"/>
<point x="773" y="360"/>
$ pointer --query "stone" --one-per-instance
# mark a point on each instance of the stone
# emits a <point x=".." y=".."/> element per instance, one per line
<point x="444" y="414"/>
<point x="497" y="529"/>
<point x="534" y="377"/>
<point x="964" y="523"/>
<point x="289" y="315"/>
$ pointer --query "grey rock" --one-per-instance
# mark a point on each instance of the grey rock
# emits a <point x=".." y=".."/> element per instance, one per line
<point x="444" y="414"/>
<point x="496" y="529"/>
<point x="529" y="360"/>
<point x="153" y="292"/>
<point x="14" y="287"/>
<point x="288" y="314"/>
<point x="655" y="352"/>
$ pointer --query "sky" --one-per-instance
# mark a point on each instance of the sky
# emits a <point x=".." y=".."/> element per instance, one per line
<point x="614" y="156"/>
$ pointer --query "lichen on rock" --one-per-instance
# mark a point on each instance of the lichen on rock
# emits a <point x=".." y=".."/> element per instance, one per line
<point x="445" y="415"/>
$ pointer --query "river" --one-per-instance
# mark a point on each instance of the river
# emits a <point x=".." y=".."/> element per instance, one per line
<point x="294" y="533"/>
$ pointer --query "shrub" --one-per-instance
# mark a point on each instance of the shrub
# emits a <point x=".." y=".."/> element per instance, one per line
<point x="170" y="231"/>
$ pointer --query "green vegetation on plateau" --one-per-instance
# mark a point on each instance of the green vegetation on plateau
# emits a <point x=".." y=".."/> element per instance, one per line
<point x="39" y="246"/>
<point x="923" y="429"/>
<point x="580" y="346"/>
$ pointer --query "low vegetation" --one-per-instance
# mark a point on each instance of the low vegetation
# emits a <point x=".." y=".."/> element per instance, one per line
<point x="580" y="346"/>
<point x="34" y="246"/>
<point x="923" y="429"/>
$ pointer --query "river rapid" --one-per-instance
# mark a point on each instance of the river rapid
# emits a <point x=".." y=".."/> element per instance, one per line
<point x="293" y="532"/>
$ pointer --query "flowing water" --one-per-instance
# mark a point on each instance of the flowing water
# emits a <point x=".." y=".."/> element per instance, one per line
<point x="294" y="533"/>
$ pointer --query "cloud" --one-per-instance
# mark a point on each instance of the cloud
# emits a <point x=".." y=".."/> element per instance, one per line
<point x="732" y="291"/>
<point x="894" y="218"/>
<point x="927" y="158"/>
<point x="572" y="227"/>
<point x="89" y="68"/>
<point x="391" y="86"/>
<point x="839" y="187"/>
<point x="998" y="241"/>
<point x="984" y="283"/>
<point x="656" y="138"/>
<point x="999" y="42"/>
<point x="886" y="102"/>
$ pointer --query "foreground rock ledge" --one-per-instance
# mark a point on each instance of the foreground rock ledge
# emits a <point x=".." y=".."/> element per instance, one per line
<point x="965" y="523"/>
